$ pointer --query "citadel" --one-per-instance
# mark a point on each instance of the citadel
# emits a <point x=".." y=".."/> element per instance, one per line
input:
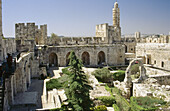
<point x="32" y="53"/>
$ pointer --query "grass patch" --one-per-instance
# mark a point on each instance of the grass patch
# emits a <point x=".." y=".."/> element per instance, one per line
<point x="53" y="84"/>
<point x="146" y="103"/>
<point x="116" y="108"/>
<point x="121" y="102"/>
<point x="57" y="83"/>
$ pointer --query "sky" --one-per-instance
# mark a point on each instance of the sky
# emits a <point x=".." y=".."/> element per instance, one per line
<point x="79" y="17"/>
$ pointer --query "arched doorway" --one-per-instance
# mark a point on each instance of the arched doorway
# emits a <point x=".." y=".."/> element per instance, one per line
<point x="126" y="49"/>
<point x="53" y="60"/>
<point x="101" y="58"/>
<point x="85" y="58"/>
<point x="67" y="58"/>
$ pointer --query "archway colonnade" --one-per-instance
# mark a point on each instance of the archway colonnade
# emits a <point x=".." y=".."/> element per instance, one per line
<point x="85" y="56"/>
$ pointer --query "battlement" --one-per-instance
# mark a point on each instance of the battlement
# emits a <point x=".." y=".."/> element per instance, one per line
<point x="30" y="31"/>
<point x="158" y="39"/>
<point x="153" y="46"/>
<point x="75" y="41"/>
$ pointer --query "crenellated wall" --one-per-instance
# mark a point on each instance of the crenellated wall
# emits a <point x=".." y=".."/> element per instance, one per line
<point x="30" y="31"/>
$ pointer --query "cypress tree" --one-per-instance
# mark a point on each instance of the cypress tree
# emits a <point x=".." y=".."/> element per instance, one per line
<point x="77" y="89"/>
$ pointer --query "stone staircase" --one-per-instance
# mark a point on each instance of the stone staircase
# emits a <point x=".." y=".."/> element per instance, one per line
<point x="1" y="97"/>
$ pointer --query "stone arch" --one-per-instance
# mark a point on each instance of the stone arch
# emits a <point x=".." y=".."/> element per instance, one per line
<point x="53" y="60"/>
<point x="101" y="58"/>
<point x="85" y="58"/>
<point x="67" y="58"/>
<point x="128" y="88"/>
<point x="128" y="74"/>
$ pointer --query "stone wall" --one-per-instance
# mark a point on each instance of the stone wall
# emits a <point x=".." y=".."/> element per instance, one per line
<point x="75" y="41"/>
<point x="154" y="54"/>
<point x="1" y="34"/>
<point x="159" y="91"/>
<point x="158" y="39"/>
<point x="110" y="54"/>
<point x="20" y="81"/>
<point x="7" y="45"/>
<point x="30" y="31"/>
<point x="109" y="34"/>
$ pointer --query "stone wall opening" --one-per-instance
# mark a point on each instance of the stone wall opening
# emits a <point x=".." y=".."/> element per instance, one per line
<point x="67" y="58"/>
<point x="53" y="60"/>
<point x="162" y="64"/>
<point x="85" y="58"/>
<point x="101" y="58"/>
<point x="126" y="50"/>
<point x="128" y="80"/>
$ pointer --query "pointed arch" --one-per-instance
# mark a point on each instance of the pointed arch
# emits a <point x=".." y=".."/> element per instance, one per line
<point x="85" y="58"/>
<point x="53" y="60"/>
<point x="101" y="58"/>
<point x="67" y="58"/>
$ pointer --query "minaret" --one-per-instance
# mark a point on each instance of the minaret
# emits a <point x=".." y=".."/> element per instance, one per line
<point x="116" y="15"/>
<point x="1" y="34"/>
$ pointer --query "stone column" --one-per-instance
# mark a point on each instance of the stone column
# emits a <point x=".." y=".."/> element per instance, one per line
<point x="1" y="18"/>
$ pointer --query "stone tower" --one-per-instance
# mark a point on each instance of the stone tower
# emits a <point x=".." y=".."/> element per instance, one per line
<point x="1" y="34"/>
<point x="116" y="15"/>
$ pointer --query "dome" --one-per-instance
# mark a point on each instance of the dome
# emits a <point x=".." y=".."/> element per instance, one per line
<point x="116" y="5"/>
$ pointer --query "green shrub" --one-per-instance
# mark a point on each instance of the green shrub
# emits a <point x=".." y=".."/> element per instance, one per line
<point x="120" y="75"/>
<point x="116" y="108"/>
<point x="135" y="69"/>
<point x="59" y="83"/>
<point x="107" y="100"/>
<point x="65" y="71"/>
<point x="108" y="89"/>
<point x="113" y="68"/>
<point x="56" y="109"/>
<point x="103" y="75"/>
<point x="53" y="83"/>
<point x="145" y="103"/>
<point x="100" y="108"/>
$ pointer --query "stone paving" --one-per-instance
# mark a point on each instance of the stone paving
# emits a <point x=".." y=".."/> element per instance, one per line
<point x="31" y="99"/>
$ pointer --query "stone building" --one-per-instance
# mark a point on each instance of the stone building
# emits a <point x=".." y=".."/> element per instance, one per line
<point x="18" y="67"/>
<point x="157" y="39"/>
<point x="110" y="34"/>
<point x="32" y="49"/>
<point x="104" y="49"/>
<point x="7" y="45"/>
<point x="29" y="35"/>
<point x="154" y="54"/>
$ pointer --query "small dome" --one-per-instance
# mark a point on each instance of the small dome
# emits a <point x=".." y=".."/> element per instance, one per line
<point x="116" y="5"/>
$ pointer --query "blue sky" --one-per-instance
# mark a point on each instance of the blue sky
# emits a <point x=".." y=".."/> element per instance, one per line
<point x="79" y="17"/>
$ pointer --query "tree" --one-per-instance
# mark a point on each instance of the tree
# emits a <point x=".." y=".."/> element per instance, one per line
<point x="54" y="36"/>
<point x="77" y="90"/>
